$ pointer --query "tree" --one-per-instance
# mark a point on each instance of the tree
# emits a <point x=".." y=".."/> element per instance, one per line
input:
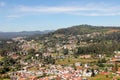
<point x="49" y="60"/>
<point x="93" y="73"/>
<point x="65" y="51"/>
<point x="31" y="51"/>
<point x="3" y="52"/>
<point x="6" y="64"/>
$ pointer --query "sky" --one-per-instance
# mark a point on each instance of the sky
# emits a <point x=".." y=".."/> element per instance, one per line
<point x="32" y="15"/>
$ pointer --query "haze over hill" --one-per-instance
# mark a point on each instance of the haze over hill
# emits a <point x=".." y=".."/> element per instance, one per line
<point x="74" y="30"/>
<point x="8" y="35"/>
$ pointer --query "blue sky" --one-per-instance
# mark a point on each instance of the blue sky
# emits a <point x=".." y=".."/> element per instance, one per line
<point x="31" y="15"/>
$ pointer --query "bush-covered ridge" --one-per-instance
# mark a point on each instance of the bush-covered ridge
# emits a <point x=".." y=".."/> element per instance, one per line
<point x="84" y="29"/>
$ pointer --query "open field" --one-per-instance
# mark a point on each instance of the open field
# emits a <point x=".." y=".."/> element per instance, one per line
<point x="1" y="58"/>
<point x="105" y="77"/>
<point x="74" y="60"/>
<point x="4" y="79"/>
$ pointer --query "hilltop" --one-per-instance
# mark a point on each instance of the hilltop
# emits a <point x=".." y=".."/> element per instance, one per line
<point x="86" y="29"/>
<point x="81" y="30"/>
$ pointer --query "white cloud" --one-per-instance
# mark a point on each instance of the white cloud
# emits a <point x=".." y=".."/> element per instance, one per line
<point x="96" y="14"/>
<point x="13" y="16"/>
<point x="84" y="10"/>
<point x="2" y="4"/>
<point x="58" y="9"/>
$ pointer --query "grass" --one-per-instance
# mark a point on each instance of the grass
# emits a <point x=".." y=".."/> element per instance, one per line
<point x="104" y="77"/>
<point x="4" y="79"/>
<point x="33" y="69"/>
<point x="100" y="77"/>
<point x="1" y="58"/>
<point x="74" y="60"/>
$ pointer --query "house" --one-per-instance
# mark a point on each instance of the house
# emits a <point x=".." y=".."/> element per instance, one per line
<point x="85" y="56"/>
<point x="77" y="64"/>
<point x="117" y="54"/>
<point x="32" y="78"/>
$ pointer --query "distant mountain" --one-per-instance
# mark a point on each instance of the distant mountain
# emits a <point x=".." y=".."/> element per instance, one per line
<point x="8" y="35"/>
<point x="74" y="30"/>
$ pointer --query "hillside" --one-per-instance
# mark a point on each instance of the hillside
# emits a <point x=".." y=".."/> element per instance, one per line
<point x="94" y="45"/>
<point x="86" y="29"/>
<point x="86" y="39"/>
<point x="80" y="30"/>
<point x="8" y="35"/>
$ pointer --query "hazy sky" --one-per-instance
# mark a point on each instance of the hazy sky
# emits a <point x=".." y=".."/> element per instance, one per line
<point x="30" y="15"/>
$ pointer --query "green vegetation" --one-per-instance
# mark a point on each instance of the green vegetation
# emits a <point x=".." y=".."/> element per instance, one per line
<point x="64" y="47"/>
<point x="81" y="29"/>
<point x="68" y="61"/>
<point x="105" y="77"/>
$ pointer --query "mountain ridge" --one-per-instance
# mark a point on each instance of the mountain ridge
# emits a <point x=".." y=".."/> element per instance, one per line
<point x="8" y="35"/>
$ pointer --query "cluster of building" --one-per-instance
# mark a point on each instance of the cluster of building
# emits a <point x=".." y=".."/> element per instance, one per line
<point x="57" y="72"/>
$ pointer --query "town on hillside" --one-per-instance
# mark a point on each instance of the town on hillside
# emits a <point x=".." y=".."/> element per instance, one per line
<point x="77" y="53"/>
